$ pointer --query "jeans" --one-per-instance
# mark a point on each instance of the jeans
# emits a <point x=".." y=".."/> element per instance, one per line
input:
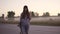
<point x="24" y="29"/>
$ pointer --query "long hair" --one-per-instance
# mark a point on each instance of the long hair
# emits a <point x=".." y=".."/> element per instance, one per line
<point x="25" y="12"/>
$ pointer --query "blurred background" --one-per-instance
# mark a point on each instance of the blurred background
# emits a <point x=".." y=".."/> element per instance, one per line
<point x="43" y="12"/>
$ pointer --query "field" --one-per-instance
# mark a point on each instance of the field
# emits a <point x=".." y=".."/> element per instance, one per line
<point x="51" y="21"/>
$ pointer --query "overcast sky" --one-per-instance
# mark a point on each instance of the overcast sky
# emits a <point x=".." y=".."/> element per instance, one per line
<point x="40" y="6"/>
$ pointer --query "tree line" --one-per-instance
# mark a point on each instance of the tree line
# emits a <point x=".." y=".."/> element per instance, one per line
<point x="10" y="14"/>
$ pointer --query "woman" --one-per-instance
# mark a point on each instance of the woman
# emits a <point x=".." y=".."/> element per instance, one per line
<point x="24" y="20"/>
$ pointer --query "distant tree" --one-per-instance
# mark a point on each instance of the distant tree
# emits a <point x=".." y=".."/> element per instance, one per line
<point x="36" y="14"/>
<point x="43" y="14"/>
<point x="46" y="14"/>
<point x="32" y="14"/>
<point x="11" y="14"/>
<point x="58" y="14"/>
<point x="2" y="15"/>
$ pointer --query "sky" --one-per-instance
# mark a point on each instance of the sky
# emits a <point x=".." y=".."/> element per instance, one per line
<point x="39" y="6"/>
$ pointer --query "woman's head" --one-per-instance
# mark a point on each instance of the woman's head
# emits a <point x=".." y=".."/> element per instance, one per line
<point x="25" y="12"/>
<point x="25" y="9"/>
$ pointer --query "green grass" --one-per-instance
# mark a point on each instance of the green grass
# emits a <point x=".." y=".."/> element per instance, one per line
<point x="48" y="23"/>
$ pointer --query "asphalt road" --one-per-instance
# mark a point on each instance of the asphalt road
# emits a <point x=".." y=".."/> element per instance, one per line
<point x="34" y="29"/>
